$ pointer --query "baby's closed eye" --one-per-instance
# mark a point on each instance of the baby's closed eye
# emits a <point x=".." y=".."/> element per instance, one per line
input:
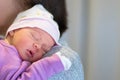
<point x="35" y="36"/>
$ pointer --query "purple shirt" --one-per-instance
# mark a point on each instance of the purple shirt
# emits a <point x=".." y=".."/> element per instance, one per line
<point x="13" y="68"/>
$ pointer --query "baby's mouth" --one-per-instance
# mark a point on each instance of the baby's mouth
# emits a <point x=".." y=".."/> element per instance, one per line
<point x="30" y="53"/>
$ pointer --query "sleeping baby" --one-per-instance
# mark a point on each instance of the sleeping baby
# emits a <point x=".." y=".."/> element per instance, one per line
<point x="32" y="35"/>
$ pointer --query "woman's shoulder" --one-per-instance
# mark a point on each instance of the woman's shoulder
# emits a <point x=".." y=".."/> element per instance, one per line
<point x="76" y="70"/>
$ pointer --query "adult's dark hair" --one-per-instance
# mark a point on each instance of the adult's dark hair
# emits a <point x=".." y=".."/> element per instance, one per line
<point x="56" y="7"/>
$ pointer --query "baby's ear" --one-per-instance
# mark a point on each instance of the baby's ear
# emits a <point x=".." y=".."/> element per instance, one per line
<point x="11" y="33"/>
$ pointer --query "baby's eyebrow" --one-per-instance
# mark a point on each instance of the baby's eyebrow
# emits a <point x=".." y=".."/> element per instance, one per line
<point x="35" y="31"/>
<point x="39" y="33"/>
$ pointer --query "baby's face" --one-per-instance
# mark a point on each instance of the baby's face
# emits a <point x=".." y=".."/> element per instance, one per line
<point x="32" y="43"/>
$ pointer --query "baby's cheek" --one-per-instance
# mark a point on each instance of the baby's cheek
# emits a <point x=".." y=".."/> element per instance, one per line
<point x="23" y="46"/>
<point x="25" y="42"/>
<point x="39" y="55"/>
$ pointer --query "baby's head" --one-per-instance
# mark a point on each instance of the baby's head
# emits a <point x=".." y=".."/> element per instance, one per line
<point x="33" y="33"/>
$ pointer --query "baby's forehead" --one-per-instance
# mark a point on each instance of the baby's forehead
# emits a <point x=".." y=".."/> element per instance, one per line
<point x="41" y="32"/>
<point x="36" y="29"/>
<point x="43" y="35"/>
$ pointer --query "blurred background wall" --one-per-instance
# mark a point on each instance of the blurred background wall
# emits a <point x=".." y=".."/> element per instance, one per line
<point x="94" y="32"/>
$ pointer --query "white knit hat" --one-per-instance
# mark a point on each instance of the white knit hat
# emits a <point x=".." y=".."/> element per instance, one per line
<point x="39" y="17"/>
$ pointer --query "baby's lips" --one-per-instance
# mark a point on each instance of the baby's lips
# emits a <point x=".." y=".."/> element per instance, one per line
<point x="30" y="53"/>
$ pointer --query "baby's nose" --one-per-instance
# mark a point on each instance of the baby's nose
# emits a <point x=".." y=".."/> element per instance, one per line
<point x="36" y="46"/>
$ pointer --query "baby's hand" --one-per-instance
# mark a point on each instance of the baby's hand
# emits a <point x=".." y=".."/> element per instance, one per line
<point x="65" y="61"/>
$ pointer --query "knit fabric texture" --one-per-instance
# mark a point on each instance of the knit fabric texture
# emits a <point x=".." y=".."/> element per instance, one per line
<point x="76" y="71"/>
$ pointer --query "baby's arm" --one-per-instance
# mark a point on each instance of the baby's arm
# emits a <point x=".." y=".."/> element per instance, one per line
<point x="46" y="67"/>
